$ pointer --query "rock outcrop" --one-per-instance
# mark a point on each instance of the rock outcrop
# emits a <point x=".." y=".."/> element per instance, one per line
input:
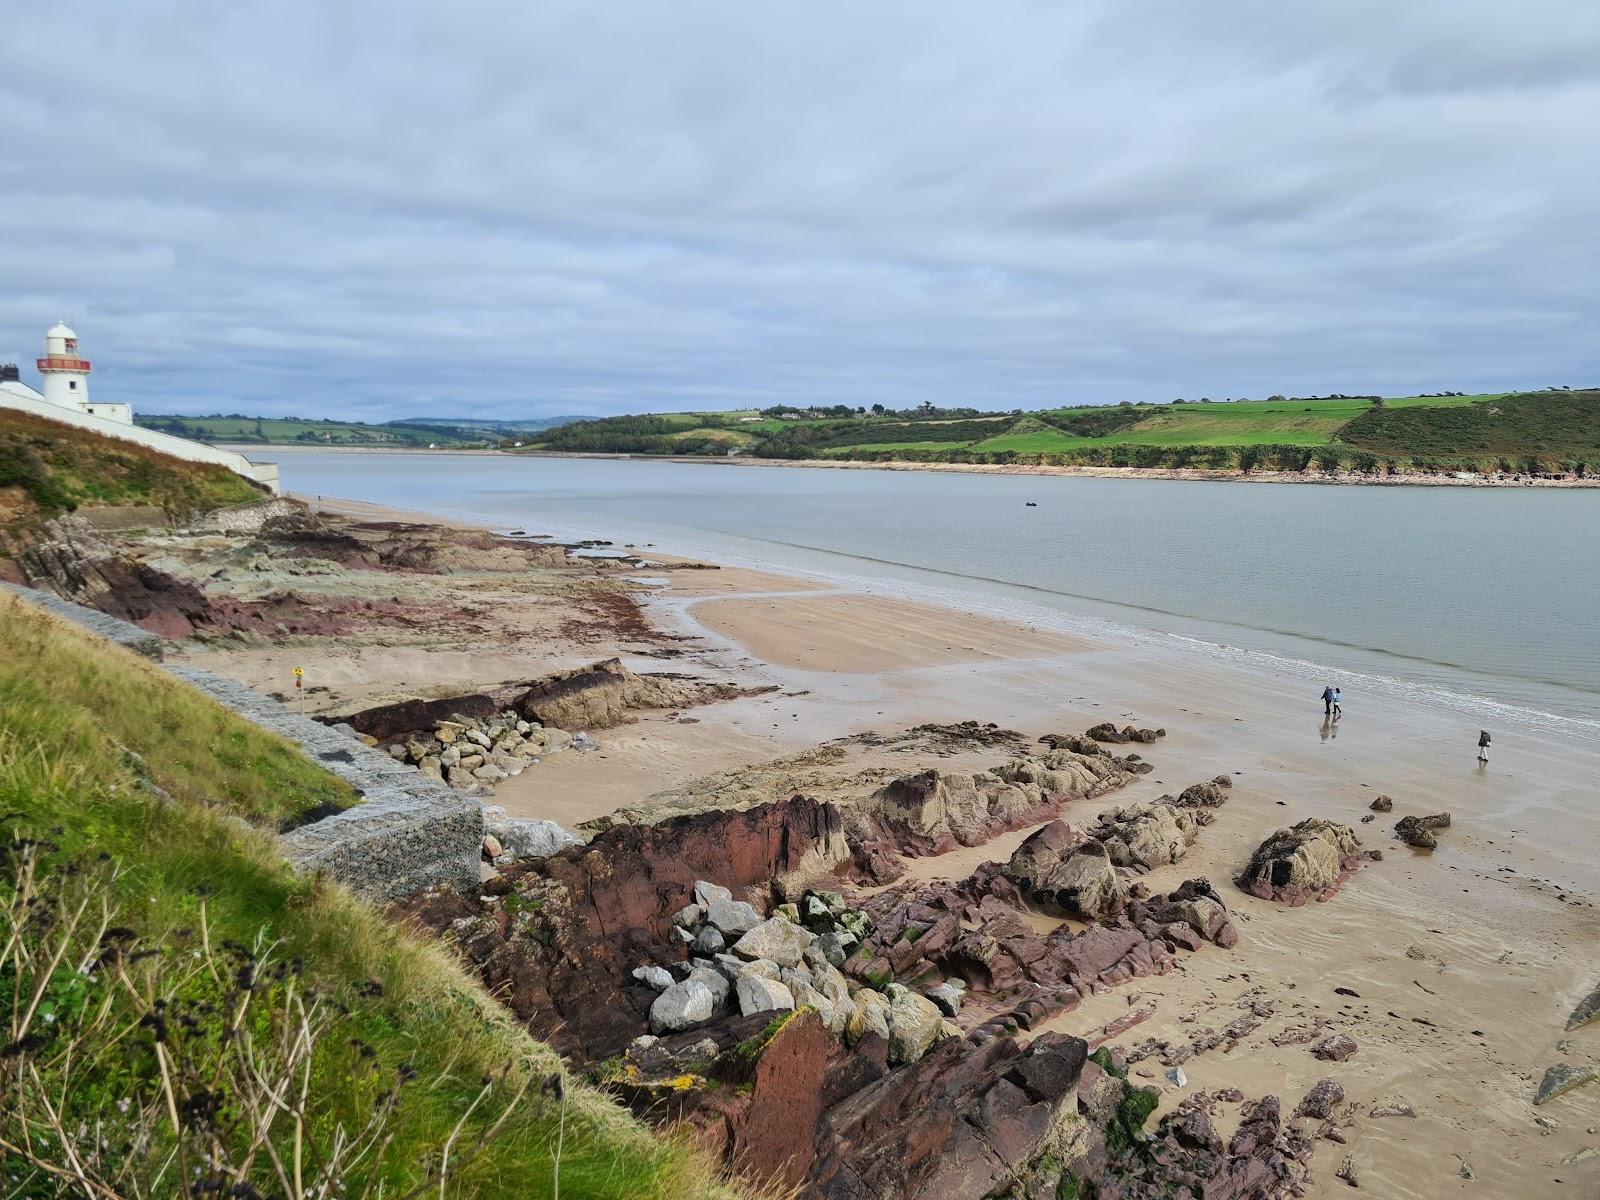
<point x="524" y="837"/>
<point x="599" y="696"/>
<point x="1561" y="1079"/>
<point x="1107" y="732"/>
<point x="1586" y="1010"/>
<point x="792" y="1107"/>
<point x="1417" y="831"/>
<point x="972" y="932"/>
<point x="559" y="938"/>
<point x="1145" y="836"/>
<point x="935" y="811"/>
<point x="1307" y="862"/>
<point x="1058" y="869"/>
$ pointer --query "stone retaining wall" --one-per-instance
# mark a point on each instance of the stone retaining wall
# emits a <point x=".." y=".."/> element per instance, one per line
<point x="409" y="832"/>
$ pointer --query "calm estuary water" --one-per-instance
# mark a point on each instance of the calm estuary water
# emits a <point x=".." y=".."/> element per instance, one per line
<point x="1473" y="597"/>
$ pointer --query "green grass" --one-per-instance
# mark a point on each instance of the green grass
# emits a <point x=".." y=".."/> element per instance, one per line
<point x="184" y="874"/>
<point x="294" y="431"/>
<point x="1353" y="433"/>
<point x="1440" y="401"/>
<point x="189" y="745"/>
<point x="55" y="468"/>
<point x="1523" y="429"/>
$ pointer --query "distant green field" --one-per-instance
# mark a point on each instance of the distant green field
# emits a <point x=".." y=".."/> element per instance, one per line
<point x="302" y="431"/>
<point x="1549" y="431"/>
<point x="291" y="431"/>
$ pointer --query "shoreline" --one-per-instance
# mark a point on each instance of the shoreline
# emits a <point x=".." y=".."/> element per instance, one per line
<point x="1110" y="623"/>
<point x="1197" y="474"/>
<point x="1458" y="967"/>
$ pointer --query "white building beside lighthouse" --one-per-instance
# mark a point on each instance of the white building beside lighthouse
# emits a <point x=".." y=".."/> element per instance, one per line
<point x="64" y="375"/>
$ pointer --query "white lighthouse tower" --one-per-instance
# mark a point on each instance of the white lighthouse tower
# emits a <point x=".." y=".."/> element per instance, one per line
<point x="66" y="375"/>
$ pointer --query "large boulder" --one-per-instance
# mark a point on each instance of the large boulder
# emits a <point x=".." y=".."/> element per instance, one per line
<point x="1145" y="836"/>
<point x="870" y="1015"/>
<point x="731" y="918"/>
<point x="681" y="1006"/>
<point x="757" y="994"/>
<point x="1057" y="868"/>
<point x="592" y="698"/>
<point x="915" y="1023"/>
<point x="776" y="939"/>
<point x="1417" y="831"/>
<point x="526" y="837"/>
<point x="1309" y="861"/>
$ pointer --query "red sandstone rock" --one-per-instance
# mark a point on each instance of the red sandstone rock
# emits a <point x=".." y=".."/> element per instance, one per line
<point x="588" y="916"/>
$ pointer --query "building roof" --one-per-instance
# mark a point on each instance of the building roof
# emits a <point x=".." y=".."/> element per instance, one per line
<point x="60" y="330"/>
<point x="18" y="388"/>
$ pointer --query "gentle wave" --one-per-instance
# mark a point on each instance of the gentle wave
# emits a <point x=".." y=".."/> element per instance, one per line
<point x="1085" y="625"/>
<point x="1338" y="643"/>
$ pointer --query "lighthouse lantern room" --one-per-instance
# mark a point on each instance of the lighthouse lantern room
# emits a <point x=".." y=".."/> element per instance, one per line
<point x="64" y="371"/>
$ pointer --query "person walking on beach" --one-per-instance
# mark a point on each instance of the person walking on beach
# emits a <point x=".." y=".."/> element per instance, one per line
<point x="1327" y="702"/>
<point x="1483" y="747"/>
<point x="1338" y="703"/>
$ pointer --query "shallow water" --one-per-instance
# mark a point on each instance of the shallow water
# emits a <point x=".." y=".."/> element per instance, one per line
<point x="1477" y="598"/>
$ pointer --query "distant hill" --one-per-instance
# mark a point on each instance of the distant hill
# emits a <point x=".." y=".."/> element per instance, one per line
<point x="1556" y="430"/>
<point x="1518" y="429"/>
<point x="409" y="432"/>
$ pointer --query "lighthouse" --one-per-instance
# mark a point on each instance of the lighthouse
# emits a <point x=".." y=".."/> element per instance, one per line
<point x="65" y="372"/>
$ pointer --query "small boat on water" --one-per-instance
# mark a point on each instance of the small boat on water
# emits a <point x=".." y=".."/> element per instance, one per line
<point x="1032" y="504"/>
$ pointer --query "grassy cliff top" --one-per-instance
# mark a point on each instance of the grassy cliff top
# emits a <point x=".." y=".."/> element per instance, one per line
<point x="48" y="468"/>
<point x="214" y="1020"/>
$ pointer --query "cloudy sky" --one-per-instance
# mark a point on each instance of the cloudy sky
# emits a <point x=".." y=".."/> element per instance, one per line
<point x="541" y="207"/>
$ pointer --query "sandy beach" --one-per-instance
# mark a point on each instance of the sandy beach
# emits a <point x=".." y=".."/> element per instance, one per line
<point x="1455" y="970"/>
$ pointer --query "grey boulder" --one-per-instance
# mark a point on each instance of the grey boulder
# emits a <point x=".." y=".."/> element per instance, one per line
<point x="682" y="1006"/>
<point x="657" y="977"/>
<point x="523" y="837"/>
<point x="757" y="995"/>
<point x="781" y="941"/>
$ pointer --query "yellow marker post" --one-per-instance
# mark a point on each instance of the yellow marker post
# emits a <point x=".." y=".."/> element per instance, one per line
<point x="299" y="676"/>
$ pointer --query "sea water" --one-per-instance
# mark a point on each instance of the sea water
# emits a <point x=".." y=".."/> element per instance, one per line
<point x="1484" y="599"/>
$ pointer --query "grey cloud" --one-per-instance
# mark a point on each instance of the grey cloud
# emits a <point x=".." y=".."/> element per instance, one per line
<point x="502" y="209"/>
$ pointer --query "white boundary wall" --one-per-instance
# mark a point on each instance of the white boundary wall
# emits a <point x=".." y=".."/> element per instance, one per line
<point x="266" y="474"/>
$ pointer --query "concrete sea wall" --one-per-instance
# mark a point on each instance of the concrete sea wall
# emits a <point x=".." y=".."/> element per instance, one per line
<point x="409" y="832"/>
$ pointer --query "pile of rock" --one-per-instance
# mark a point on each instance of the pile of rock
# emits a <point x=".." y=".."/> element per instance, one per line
<point x="559" y="937"/>
<point x="971" y="931"/>
<point x="473" y="754"/>
<point x="1307" y="862"/>
<point x="740" y="962"/>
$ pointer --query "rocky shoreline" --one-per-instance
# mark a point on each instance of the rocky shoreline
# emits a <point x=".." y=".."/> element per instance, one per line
<point x="951" y="958"/>
<point x="1328" y="478"/>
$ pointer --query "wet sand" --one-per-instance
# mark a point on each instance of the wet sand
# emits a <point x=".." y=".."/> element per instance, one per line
<point x="1500" y="914"/>
<point x="869" y="634"/>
